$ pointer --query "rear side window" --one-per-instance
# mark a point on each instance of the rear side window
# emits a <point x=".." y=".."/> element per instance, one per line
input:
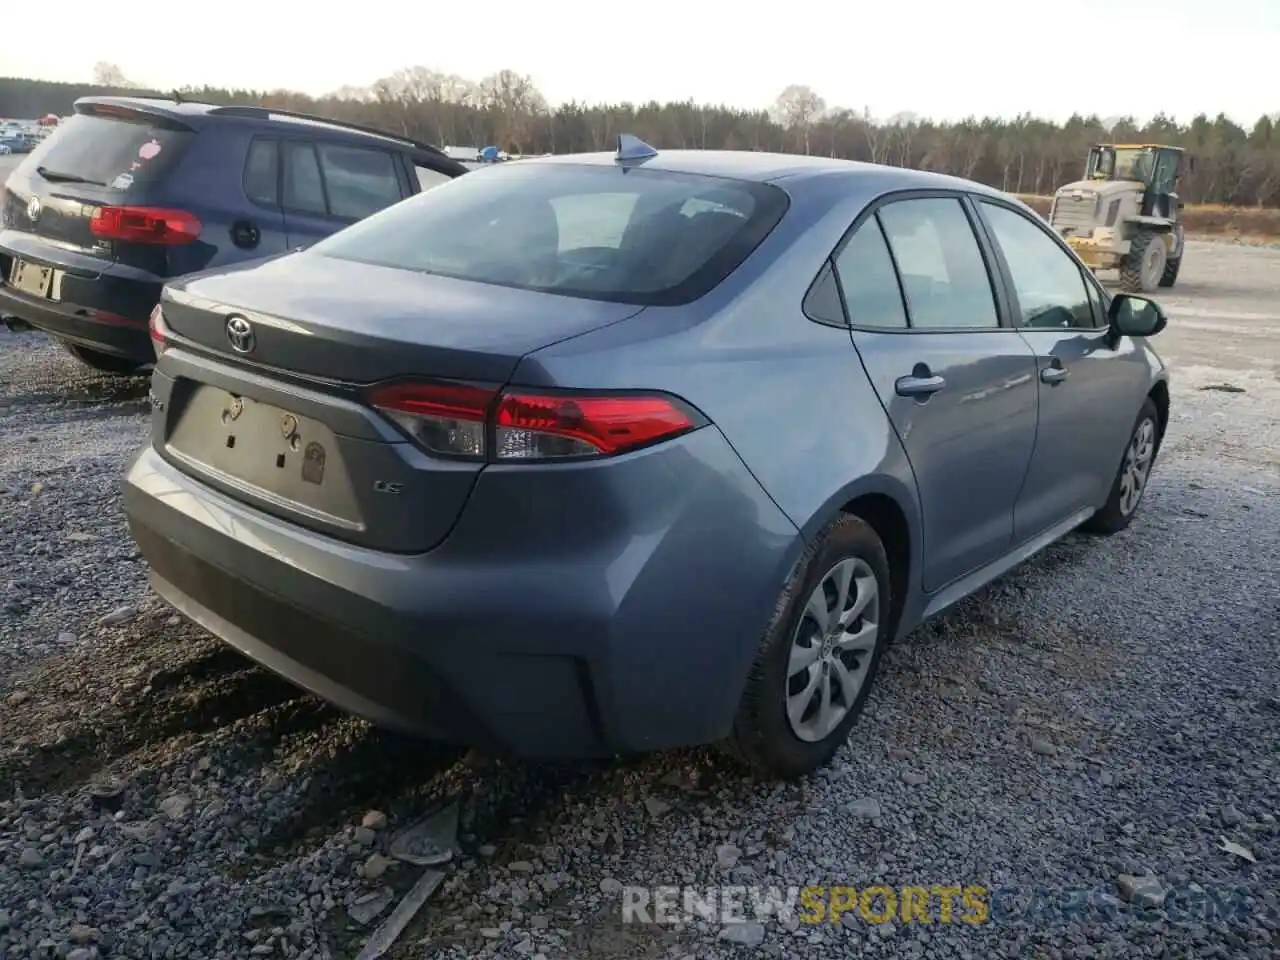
<point x="303" y="188"/>
<point x="428" y="178"/>
<point x="261" y="173"/>
<point x="944" y="275"/>
<point x="119" y="148"/>
<point x="871" y="293"/>
<point x="360" y="182"/>
<point x="640" y="236"/>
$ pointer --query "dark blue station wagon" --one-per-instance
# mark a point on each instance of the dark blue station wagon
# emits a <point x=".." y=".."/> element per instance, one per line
<point x="131" y="192"/>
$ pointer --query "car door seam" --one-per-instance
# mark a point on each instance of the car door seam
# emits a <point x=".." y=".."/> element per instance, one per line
<point x="1035" y="434"/>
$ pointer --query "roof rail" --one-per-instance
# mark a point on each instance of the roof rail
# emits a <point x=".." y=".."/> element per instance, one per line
<point x="263" y="112"/>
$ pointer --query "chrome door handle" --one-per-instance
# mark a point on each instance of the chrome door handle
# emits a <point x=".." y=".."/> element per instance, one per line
<point x="1053" y="374"/>
<point x="918" y="386"/>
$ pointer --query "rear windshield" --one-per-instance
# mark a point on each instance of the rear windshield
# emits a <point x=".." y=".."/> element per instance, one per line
<point x="635" y="236"/>
<point x="116" y="151"/>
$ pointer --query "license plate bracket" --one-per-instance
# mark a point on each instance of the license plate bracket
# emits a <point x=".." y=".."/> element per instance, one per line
<point x="289" y="460"/>
<point x="32" y="279"/>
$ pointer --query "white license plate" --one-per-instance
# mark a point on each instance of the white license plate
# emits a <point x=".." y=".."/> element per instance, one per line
<point x="32" y="279"/>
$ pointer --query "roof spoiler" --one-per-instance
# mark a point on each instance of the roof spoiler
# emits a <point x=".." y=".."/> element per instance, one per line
<point x="131" y="111"/>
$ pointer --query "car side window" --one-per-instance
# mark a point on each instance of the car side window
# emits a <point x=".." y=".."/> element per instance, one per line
<point x="865" y="270"/>
<point x="1049" y="284"/>
<point x="428" y="178"/>
<point x="944" y="275"/>
<point x="303" y="187"/>
<point x="1096" y="303"/>
<point x="360" y="181"/>
<point x="261" y="172"/>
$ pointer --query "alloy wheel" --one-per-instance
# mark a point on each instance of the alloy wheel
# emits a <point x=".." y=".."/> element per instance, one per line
<point x="1136" y="468"/>
<point x="832" y="649"/>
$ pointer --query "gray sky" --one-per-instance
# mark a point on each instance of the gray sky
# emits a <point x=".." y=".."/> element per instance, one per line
<point x="938" y="59"/>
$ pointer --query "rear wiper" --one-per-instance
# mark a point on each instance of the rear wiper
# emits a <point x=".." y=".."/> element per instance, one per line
<point x="54" y="177"/>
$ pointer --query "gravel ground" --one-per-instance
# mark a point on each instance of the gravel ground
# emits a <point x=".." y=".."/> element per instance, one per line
<point x="1109" y="710"/>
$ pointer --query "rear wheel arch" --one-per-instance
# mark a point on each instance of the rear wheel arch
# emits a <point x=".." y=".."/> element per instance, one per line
<point x="887" y="518"/>
<point x="892" y="510"/>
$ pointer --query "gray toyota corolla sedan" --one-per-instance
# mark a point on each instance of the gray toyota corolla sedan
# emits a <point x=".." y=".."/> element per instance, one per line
<point x="618" y="452"/>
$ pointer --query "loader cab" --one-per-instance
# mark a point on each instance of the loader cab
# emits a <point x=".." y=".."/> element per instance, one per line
<point x="1158" y="168"/>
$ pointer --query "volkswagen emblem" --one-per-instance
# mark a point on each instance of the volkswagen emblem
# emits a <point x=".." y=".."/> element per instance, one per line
<point x="33" y="209"/>
<point x="240" y="333"/>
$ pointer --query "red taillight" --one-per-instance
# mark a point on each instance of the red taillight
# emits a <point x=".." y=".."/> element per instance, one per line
<point x="532" y="426"/>
<point x="159" y="338"/>
<point x="458" y="420"/>
<point x="445" y="418"/>
<point x="144" y="225"/>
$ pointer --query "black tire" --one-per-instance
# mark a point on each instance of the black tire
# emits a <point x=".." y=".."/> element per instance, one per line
<point x="104" y="362"/>
<point x="1131" y="268"/>
<point x="1170" y="275"/>
<point x="762" y="737"/>
<point x="1113" y="518"/>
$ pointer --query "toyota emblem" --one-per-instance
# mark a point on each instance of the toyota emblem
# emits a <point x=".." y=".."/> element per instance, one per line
<point x="33" y="209"/>
<point x="240" y="333"/>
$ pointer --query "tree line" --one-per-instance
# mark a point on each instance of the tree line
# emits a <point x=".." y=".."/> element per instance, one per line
<point x="1232" y="165"/>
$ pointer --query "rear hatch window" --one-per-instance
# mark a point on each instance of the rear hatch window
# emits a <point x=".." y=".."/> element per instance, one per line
<point x="109" y="156"/>
<point x="118" y="149"/>
<point x="647" y="237"/>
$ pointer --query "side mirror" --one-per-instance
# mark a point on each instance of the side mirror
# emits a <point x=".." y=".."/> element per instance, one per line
<point x="1133" y="316"/>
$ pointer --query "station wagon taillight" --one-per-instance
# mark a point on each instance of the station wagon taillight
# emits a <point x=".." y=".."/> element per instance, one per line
<point x="145" y="225"/>
<point x="460" y="420"/>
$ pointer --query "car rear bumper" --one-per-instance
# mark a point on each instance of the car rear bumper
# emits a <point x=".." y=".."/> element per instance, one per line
<point x="569" y="629"/>
<point x="98" y="310"/>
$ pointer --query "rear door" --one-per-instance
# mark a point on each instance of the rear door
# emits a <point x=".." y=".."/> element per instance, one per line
<point x="1089" y="394"/>
<point x="958" y="385"/>
<point x="328" y="185"/>
<point x="262" y="233"/>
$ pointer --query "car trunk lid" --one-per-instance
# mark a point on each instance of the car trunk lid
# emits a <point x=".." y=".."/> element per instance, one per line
<point x="338" y="320"/>
<point x="286" y="425"/>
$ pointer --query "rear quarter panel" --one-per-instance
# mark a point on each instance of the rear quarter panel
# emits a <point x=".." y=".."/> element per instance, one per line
<point x="789" y="394"/>
<point x="209" y="182"/>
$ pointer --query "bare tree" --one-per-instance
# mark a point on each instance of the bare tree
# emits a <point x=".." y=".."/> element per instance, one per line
<point x="514" y="102"/>
<point x="1235" y="165"/>
<point x="879" y="137"/>
<point x="109" y="75"/>
<point x="798" y="108"/>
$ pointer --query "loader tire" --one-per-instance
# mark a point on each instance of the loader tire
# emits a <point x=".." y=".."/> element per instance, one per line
<point x="1144" y="267"/>
<point x="1170" y="275"/>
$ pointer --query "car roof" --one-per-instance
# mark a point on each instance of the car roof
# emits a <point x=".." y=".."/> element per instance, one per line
<point x="793" y="169"/>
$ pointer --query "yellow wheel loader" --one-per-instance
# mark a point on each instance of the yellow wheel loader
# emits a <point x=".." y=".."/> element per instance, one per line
<point x="1124" y="214"/>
